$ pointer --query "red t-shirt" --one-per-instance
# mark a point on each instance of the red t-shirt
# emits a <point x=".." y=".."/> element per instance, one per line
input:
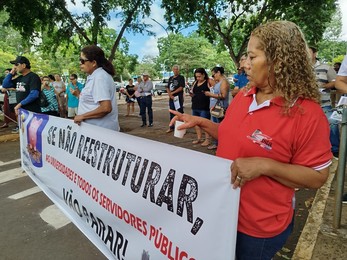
<point x="249" y="130"/>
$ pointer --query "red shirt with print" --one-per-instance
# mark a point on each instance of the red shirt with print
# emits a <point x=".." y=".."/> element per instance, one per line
<point x="251" y="130"/>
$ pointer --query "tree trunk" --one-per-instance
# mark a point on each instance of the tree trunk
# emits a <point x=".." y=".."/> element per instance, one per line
<point x="129" y="19"/>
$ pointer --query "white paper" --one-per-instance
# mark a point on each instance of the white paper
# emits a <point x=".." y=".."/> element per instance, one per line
<point x="177" y="103"/>
<point x="342" y="101"/>
<point x="337" y="116"/>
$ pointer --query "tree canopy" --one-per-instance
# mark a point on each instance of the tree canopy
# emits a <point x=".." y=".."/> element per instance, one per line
<point x="51" y="18"/>
<point x="230" y="23"/>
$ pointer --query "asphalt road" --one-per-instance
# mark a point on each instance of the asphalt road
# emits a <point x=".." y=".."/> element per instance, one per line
<point x="33" y="228"/>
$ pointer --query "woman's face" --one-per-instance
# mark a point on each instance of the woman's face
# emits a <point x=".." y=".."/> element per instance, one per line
<point x="256" y="65"/>
<point x="86" y="65"/>
<point x="199" y="76"/>
<point x="216" y="75"/>
<point x="57" y="77"/>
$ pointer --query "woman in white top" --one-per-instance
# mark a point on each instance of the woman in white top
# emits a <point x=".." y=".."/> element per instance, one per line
<point x="97" y="101"/>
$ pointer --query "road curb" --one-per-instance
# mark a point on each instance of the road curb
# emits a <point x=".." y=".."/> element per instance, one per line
<point x="9" y="137"/>
<point x="308" y="237"/>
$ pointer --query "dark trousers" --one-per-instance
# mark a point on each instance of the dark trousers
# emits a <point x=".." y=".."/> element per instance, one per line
<point x="51" y="113"/>
<point x="172" y="107"/>
<point x="138" y="99"/>
<point x="9" y="110"/>
<point x="146" y="102"/>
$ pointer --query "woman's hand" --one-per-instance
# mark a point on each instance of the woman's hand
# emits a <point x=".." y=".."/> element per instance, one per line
<point x="246" y="169"/>
<point x="189" y="120"/>
<point x="208" y="93"/>
<point x="78" y="119"/>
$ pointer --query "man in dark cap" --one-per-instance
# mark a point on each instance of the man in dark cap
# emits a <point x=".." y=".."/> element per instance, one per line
<point x="28" y="85"/>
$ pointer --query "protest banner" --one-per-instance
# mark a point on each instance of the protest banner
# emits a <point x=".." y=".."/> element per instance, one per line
<point x="132" y="197"/>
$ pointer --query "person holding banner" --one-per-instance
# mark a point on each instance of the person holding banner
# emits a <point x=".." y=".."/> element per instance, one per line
<point x="276" y="134"/>
<point x="97" y="100"/>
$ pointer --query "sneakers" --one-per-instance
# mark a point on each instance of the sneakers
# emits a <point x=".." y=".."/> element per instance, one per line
<point x="150" y="125"/>
<point x="15" y="130"/>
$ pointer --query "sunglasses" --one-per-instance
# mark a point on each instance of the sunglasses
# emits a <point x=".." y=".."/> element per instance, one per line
<point x="72" y="78"/>
<point x="82" y="61"/>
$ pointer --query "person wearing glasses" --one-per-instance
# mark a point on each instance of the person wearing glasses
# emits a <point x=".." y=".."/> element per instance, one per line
<point x="73" y="91"/>
<point x="28" y="85"/>
<point x="97" y="100"/>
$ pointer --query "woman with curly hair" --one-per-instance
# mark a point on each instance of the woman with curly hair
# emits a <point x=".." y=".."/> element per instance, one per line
<point x="276" y="134"/>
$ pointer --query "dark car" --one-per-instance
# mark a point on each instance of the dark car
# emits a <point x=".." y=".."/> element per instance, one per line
<point x="161" y="86"/>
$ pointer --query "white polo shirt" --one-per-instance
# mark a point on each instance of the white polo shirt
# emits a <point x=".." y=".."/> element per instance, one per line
<point x="99" y="87"/>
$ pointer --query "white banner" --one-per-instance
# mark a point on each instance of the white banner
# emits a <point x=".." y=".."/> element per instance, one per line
<point x="132" y="197"/>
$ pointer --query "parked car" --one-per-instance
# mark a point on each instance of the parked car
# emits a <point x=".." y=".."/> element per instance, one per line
<point x="161" y="86"/>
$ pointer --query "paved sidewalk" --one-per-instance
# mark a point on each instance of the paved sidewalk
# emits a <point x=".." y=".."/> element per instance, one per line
<point x="6" y="133"/>
<point x="319" y="240"/>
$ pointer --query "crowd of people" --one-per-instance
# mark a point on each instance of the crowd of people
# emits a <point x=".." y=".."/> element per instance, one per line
<point x="275" y="126"/>
<point x="47" y="94"/>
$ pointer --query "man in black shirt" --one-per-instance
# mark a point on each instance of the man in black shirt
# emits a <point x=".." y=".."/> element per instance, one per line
<point x="175" y="89"/>
<point x="28" y="85"/>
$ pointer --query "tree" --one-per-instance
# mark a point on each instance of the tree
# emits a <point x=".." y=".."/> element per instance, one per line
<point x="11" y="40"/>
<point x="231" y="22"/>
<point x="52" y="18"/>
<point x="330" y="49"/>
<point x="189" y="53"/>
<point x="148" y="64"/>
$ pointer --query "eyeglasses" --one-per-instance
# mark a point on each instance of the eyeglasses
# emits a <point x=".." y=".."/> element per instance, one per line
<point x="82" y="61"/>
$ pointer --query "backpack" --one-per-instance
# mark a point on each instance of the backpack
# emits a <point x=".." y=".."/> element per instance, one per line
<point x="43" y="100"/>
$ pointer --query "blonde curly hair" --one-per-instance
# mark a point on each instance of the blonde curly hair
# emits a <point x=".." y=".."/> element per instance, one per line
<point x="288" y="58"/>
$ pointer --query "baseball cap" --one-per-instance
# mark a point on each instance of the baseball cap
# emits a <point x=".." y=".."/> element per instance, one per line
<point x="21" y="60"/>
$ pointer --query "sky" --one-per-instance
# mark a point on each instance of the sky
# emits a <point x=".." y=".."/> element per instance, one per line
<point x="343" y="7"/>
<point x="143" y="45"/>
